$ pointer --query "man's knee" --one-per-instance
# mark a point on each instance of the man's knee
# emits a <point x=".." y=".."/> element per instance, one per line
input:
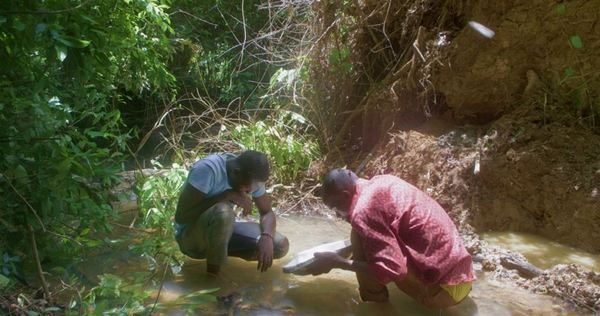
<point x="281" y="246"/>
<point x="222" y="213"/>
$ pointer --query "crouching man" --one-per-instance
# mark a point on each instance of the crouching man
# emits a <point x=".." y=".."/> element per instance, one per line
<point x="400" y="235"/>
<point x="205" y="226"/>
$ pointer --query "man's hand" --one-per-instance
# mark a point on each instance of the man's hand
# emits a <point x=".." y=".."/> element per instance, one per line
<point x="240" y="199"/>
<point x="324" y="262"/>
<point x="265" y="253"/>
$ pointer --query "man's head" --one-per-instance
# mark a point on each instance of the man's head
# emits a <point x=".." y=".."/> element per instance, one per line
<point x="248" y="169"/>
<point x="339" y="187"/>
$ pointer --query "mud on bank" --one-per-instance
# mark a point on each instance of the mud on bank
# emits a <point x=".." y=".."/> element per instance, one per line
<point x="515" y="174"/>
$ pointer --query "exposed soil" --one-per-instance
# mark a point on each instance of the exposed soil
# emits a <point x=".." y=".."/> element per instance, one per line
<point x="483" y="78"/>
<point x="489" y="178"/>
<point x="518" y="147"/>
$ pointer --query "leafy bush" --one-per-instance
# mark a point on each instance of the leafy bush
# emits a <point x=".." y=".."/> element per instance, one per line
<point x="212" y="60"/>
<point x="158" y="195"/>
<point x="290" y="152"/>
<point x="62" y="136"/>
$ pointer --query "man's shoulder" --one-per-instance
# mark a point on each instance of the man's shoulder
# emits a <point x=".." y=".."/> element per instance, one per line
<point x="385" y="178"/>
<point x="390" y="181"/>
<point x="214" y="159"/>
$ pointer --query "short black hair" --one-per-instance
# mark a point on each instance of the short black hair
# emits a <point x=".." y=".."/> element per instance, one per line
<point x="254" y="164"/>
<point x="338" y="180"/>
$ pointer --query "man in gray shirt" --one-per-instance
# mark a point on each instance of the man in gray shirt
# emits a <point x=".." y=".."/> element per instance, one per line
<point x="205" y="220"/>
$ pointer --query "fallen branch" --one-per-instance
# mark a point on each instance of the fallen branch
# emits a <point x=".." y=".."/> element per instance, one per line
<point x="525" y="269"/>
<point x="141" y="230"/>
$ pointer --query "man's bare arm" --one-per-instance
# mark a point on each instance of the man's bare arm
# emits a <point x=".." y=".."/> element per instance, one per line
<point x="267" y="227"/>
<point x="267" y="217"/>
<point x="192" y="203"/>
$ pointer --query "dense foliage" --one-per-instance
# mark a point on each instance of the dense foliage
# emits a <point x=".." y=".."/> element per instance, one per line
<point x="64" y="66"/>
<point x="73" y="78"/>
<point x="214" y="56"/>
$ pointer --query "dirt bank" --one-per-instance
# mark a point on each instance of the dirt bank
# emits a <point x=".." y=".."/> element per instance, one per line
<point x="515" y="174"/>
<point x="482" y="77"/>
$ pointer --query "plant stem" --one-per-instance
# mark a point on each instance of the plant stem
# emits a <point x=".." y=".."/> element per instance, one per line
<point x="38" y="265"/>
<point x="162" y="282"/>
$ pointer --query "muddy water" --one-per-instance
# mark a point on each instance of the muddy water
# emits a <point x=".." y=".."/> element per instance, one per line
<point x="276" y="293"/>
<point x="542" y="252"/>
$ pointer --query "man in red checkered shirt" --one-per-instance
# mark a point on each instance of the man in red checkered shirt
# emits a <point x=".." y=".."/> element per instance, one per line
<point x="400" y="235"/>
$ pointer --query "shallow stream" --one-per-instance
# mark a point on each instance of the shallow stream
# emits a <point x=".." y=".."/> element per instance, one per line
<point x="540" y="251"/>
<point x="276" y="293"/>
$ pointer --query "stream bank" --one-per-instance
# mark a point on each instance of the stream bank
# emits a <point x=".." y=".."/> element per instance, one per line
<point x="490" y="178"/>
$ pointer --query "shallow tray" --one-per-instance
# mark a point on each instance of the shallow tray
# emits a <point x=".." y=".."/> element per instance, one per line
<point x="304" y="258"/>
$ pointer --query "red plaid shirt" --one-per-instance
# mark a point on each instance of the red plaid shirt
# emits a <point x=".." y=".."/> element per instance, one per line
<point x="401" y="225"/>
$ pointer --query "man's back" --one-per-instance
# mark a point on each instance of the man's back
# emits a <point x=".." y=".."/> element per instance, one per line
<point x="403" y="226"/>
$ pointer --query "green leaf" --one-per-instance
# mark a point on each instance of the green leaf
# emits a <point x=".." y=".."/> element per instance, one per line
<point x="576" y="41"/>
<point x="2" y="20"/>
<point x="18" y="25"/>
<point x="94" y="134"/>
<point x="4" y="281"/>
<point x="72" y="42"/>
<point x="41" y="27"/>
<point x="569" y="72"/>
<point x="561" y="9"/>
<point x="209" y="291"/>
<point x="61" y="52"/>
<point x="21" y="174"/>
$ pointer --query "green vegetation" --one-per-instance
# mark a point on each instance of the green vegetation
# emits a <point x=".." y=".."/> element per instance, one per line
<point x="158" y="196"/>
<point x="64" y="71"/>
<point x="73" y="79"/>
<point x="82" y="83"/>
<point x="575" y="87"/>
<point x="290" y="153"/>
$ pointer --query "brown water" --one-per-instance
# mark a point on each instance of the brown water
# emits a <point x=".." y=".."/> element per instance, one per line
<point x="542" y="252"/>
<point x="276" y="293"/>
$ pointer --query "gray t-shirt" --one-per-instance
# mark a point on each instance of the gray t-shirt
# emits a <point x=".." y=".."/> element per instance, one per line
<point x="209" y="176"/>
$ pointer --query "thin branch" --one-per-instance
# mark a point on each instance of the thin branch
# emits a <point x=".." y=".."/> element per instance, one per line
<point x="141" y="230"/>
<point x="22" y="139"/>
<point x="38" y="265"/>
<point x="194" y="17"/>
<point x="245" y="37"/>
<point x="29" y="205"/>
<point x="49" y="12"/>
<point x="162" y="282"/>
<point x="383" y="28"/>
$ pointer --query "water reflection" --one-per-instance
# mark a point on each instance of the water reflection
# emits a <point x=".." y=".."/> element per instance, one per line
<point x="542" y="252"/>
